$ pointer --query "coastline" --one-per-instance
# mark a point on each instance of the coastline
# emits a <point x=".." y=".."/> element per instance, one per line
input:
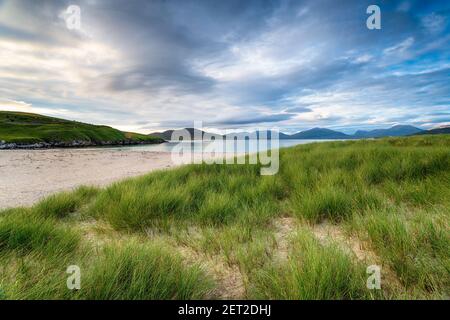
<point x="75" y="144"/>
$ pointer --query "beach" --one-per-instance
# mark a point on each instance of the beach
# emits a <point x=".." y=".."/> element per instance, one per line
<point x="26" y="176"/>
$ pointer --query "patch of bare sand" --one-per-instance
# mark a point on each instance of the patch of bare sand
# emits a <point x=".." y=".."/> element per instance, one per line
<point x="283" y="229"/>
<point x="230" y="283"/>
<point x="99" y="233"/>
<point x="327" y="233"/>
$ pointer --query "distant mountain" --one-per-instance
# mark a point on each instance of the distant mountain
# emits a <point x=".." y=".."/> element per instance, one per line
<point x="320" y="133"/>
<point x="395" y="131"/>
<point x="316" y="133"/>
<point x="441" y="130"/>
<point x="244" y="135"/>
<point x="167" y="135"/>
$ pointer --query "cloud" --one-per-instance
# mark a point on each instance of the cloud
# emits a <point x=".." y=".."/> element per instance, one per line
<point x="144" y="65"/>
<point x="255" y="119"/>
<point x="400" y="47"/>
<point x="434" y="23"/>
<point x="298" y="109"/>
<point x="363" y="58"/>
<point x="21" y="106"/>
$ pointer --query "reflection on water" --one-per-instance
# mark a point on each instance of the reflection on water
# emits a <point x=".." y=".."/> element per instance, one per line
<point x="217" y="146"/>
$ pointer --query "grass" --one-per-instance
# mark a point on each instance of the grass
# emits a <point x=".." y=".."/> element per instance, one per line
<point x="416" y="247"/>
<point x="60" y="205"/>
<point x="26" y="128"/>
<point x="312" y="272"/>
<point x="23" y="232"/>
<point x="189" y="194"/>
<point x="204" y="231"/>
<point x="136" y="271"/>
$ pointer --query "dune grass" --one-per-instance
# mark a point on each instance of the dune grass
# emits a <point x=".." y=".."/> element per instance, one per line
<point x="199" y="230"/>
<point x="121" y="271"/>
<point x="23" y="231"/>
<point x="62" y="204"/>
<point x="312" y="272"/>
<point x="137" y="272"/>
<point x="202" y="194"/>
<point x="415" y="246"/>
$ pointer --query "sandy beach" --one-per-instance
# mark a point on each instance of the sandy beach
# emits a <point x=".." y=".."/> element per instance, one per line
<point x="26" y="176"/>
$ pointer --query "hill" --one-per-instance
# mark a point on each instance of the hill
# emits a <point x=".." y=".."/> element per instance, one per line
<point x="167" y="135"/>
<point x="442" y="130"/>
<point x="28" y="130"/>
<point x="395" y="131"/>
<point x="319" y="133"/>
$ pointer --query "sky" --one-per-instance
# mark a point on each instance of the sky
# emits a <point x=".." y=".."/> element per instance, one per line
<point x="293" y="65"/>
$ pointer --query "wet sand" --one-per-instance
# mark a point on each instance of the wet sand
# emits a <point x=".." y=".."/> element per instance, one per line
<point x="27" y="176"/>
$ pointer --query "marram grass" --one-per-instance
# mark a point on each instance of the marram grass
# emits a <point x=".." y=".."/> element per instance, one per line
<point x="207" y="231"/>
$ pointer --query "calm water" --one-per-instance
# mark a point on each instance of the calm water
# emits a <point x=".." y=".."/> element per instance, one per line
<point x="218" y="146"/>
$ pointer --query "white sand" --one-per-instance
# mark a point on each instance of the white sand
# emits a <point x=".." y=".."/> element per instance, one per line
<point x="29" y="175"/>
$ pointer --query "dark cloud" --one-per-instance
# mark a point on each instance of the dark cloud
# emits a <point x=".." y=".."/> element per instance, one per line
<point x="146" y="78"/>
<point x="298" y="109"/>
<point x="256" y="119"/>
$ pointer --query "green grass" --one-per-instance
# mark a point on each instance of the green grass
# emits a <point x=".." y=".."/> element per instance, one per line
<point x="25" y="128"/>
<point x="416" y="247"/>
<point x="60" y="205"/>
<point x="119" y="271"/>
<point x="23" y="231"/>
<point x="203" y="194"/>
<point x="144" y="272"/>
<point x="312" y="272"/>
<point x="166" y="234"/>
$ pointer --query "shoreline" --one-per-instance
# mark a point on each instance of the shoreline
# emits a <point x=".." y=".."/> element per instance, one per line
<point x="74" y="144"/>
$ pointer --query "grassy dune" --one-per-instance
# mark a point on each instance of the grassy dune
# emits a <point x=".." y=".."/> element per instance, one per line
<point x="224" y="231"/>
<point x="26" y="128"/>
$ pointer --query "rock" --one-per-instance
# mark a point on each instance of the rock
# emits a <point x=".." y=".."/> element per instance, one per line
<point x="8" y="145"/>
<point x="72" y="144"/>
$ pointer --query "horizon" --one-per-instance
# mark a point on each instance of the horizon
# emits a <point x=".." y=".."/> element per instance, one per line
<point x="293" y="65"/>
<point x="308" y="129"/>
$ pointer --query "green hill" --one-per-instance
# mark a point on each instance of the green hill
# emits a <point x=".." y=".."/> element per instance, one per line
<point x="442" y="130"/>
<point x="19" y="129"/>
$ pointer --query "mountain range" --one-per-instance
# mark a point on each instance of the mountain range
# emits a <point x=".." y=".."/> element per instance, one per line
<point x="322" y="133"/>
